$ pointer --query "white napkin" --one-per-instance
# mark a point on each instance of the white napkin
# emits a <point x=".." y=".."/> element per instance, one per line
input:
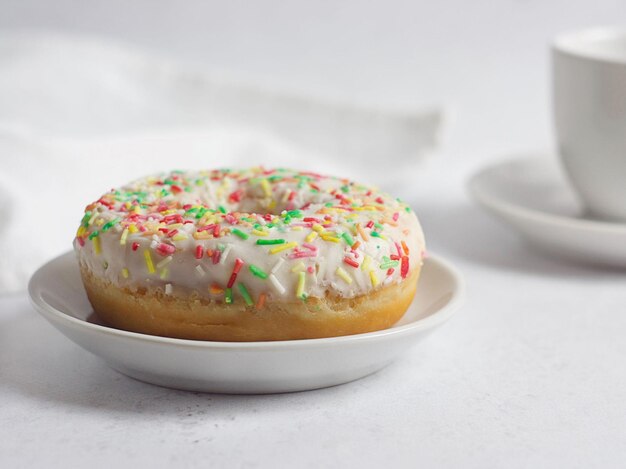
<point x="79" y="116"/>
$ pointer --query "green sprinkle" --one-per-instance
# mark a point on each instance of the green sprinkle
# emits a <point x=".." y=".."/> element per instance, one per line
<point x="240" y="233"/>
<point x="228" y="296"/>
<point x="389" y="264"/>
<point x="85" y="220"/>
<point x="345" y="189"/>
<point x="169" y="182"/>
<point x="408" y="209"/>
<point x="295" y="213"/>
<point x="94" y="234"/>
<point x="346" y="236"/>
<point x="107" y="226"/>
<point x="221" y="208"/>
<point x="246" y="295"/>
<point x="221" y="247"/>
<point x="328" y="204"/>
<point x="257" y="271"/>
<point x="379" y="226"/>
<point x="375" y="234"/>
<point x="265" y="242"/>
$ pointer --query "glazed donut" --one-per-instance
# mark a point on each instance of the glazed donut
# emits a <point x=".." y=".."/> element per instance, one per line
<point x="249" y="255"/>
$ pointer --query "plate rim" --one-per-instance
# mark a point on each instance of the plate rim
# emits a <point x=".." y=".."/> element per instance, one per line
<point x="441" y="315"/>
<point x="488" y="199"/>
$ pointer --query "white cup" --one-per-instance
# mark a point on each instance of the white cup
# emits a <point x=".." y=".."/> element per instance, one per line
<point x="589" y="92"/>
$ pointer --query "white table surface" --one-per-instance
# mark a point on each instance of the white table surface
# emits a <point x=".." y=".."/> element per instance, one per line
<point x="530" y="373"/>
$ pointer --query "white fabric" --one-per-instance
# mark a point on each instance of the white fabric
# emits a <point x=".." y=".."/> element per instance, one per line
<point x="79" y="116"/>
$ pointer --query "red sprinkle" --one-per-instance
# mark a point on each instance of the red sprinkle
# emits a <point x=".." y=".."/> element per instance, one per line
<point x="370" y="224"/>
<point x="81" y="241"/>
<point x="404" y="267"/>
<point x="390" y="271"/>
<point x="199" y="252"/>
<point x="398" y="248"/>
<point x="165" y="249"/>
<point x="238" y="264"/>
<point x="216" y="256"/>
<point x="395" y="216"/>
<point x="172" y="233"/>
<point x="351" y="262"/>
<point x="236" y="196"/>
<point x="231" y="280"/>
<point x="176" y="189"/>
<point x="135" y="246"/>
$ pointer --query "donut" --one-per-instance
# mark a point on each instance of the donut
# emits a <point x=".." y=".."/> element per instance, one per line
<point x="249" y="255"/>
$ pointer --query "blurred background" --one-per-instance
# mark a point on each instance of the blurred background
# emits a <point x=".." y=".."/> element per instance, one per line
<point x="410" y="95"/>
<point x="485" y="61"/>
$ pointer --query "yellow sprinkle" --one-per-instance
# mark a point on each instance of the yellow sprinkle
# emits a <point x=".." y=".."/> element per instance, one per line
<point x="124" y="236"/>
<point x="125" y="272"/>
<point x="332" y="239"/>
<point x="133" y="228"/>
<point x="164" y="273"/>
<point x="299" y="267"/>
<point x="148" y="258"/>
<point x="96" y="245"/>
<point x="272" y="205"/>
<point x="296" y="228"/>
<point x="317" y="227"/>
<point x="366" y="262"/>
<point x="99" y="222"/>
<point x="300" y="288"/>
<point x="362" y="232"/>
<point x="282" y="247"/>
<point x="201" y="235"/>
<point x="260" y="233"/>
<point x="344" y="275"/>
<point x="311" y="236"/>
<point x="179" y="237"/>
<point x="373" y="278"/>
<point x="81" y="231"/>
<point x="266" y="187"/>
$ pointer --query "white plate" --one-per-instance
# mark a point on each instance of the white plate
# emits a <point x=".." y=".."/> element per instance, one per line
<point x="56" y="291"/>
<point x="532" y="195"/>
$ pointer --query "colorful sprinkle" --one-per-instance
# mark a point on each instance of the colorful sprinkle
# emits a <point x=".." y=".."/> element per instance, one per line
<point x="283" y="247"/>
<point x="246" y="295"/>
<point x="344" y="275"/>
<point x="148" y="259"/>
<point x="257" y="271"/>
<point x="300" y="286"/>
<point x="276" y="284"/>
<point x="240" y="233"/>
<point x="267" y="242"/>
